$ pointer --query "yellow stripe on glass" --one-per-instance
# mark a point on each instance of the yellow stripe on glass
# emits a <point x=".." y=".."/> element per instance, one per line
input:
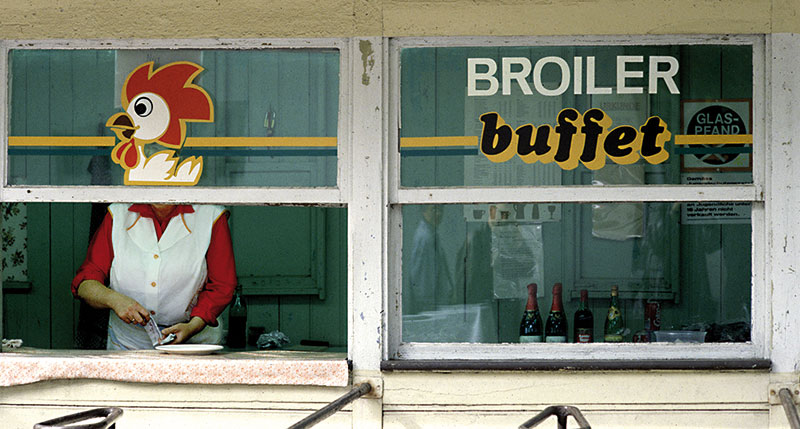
<point x="438" y="141"/>
<point x="100" y="141"/>
<point x="700" y="139"/>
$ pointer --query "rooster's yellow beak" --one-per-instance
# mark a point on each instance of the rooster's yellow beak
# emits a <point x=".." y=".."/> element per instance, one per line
<point x="122" y="125"/>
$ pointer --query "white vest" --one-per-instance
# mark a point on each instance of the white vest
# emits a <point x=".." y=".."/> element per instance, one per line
<point x="164" y="276"/>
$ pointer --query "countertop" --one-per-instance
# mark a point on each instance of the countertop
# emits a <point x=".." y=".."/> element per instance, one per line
<point x="269" y="367"/>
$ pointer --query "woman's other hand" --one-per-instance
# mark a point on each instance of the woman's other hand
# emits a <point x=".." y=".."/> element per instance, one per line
<point x="184" y="331"/>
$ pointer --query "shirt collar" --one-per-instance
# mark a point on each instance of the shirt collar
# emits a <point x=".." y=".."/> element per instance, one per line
<point x="146" y="211"/>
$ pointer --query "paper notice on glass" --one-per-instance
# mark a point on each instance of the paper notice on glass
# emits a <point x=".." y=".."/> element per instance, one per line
<point x="618" y="221"/>
<point x="713" y="212"/>
<point x="517" y="259"/>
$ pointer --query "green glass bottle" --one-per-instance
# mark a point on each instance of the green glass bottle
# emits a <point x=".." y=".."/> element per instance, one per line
<point x="615" y="325"/>
<point x="555" y="330"/>
<point x="237" y="321"/>
<point x="530" y="328"/>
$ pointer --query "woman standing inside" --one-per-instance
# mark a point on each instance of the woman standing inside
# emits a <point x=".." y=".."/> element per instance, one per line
<point x="171" y="262"/>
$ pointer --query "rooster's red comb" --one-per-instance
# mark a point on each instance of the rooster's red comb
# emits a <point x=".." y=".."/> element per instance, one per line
<point x="174" y="83"/>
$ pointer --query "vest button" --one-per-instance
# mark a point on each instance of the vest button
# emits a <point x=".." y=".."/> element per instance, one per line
<point x="153" y="284"/>
<point x="155" y="256"/>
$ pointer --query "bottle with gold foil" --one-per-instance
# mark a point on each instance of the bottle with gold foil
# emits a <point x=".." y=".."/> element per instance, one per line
<point x="530" y="328"/>
<point x="555" y="330"/>
<point x="615" y="325"/>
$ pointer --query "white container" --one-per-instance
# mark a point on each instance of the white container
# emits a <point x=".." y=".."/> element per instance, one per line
<point x="680" y="336"/>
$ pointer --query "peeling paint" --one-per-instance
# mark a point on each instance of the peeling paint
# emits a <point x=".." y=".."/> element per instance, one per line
<point x="367" y="59"/>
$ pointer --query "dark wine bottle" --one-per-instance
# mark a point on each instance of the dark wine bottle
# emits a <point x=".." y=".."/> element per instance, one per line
<point x="555" y="330"/>
<point x="530" y="328"/>
<point x="584" y="321"/>
<point x="615" y="326"/>
<point x="237" y="321"/>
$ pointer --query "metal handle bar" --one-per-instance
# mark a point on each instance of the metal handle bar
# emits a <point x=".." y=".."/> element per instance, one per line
<point x="788" y="407"/>
<point x="561" y="412"/>
<point x="358" y="391"/>
<point x="108" y="416"/>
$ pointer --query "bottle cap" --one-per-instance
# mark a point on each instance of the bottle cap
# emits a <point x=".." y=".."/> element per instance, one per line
<point x="614" y="290"/>
<point x="584" y="294"/>
<point x="532" y="288"/>
<point x="557" y="289"/>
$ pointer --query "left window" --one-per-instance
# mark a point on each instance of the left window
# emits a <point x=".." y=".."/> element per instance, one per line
<point x="236" y="124"/>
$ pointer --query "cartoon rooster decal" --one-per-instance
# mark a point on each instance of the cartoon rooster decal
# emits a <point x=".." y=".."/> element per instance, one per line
<point x="157" y="106"/>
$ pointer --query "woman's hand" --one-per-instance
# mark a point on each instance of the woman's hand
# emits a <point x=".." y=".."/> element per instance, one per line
<point x="98" y="295"/>
<point x="128" y="309"/>
<point x="184" y="331"/>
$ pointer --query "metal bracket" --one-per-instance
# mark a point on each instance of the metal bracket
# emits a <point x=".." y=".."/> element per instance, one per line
<point x="775" y="388"/>
<point x="375" y="382"/>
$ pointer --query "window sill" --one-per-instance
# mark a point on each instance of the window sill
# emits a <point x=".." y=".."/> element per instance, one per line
<point x="27" y="365"/>
<point x="576" y="365"/>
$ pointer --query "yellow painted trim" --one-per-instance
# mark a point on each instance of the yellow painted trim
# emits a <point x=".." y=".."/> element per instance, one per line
<point x="439" y="141"/>
<point x="134" y="223"/>
<point x="260" y="142"/>
<point x="190" y="141"/>
<point x="61" y="141"/>
<point x="184" y="223"/>
<point x="682" y="139"/>
<point x="407" y="142"/>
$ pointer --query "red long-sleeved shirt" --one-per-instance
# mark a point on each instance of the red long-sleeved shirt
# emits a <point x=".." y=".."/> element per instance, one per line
<point x="220" y="284"/>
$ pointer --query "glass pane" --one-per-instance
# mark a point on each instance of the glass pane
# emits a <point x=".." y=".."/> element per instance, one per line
<point x="676" y="267"/>
<point x="507" y="116"/>
<point x="292" y="269"/>
<point x="254" y="118"/>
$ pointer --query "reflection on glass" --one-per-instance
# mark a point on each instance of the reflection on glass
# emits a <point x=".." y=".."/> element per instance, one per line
<point x="466" y="269"/>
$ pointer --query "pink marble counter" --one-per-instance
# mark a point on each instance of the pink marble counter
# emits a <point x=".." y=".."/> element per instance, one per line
<point x="25" y="365"/>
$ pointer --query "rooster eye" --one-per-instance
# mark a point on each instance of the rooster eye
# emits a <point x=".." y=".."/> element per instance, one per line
<point x="149" y="114"/>
<point x="143" y="106"/>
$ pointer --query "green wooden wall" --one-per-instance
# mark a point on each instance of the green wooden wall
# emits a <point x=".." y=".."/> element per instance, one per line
<point x="46" y="315"/>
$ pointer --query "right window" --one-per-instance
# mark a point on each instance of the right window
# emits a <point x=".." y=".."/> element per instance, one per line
<point x="619" y="180"/>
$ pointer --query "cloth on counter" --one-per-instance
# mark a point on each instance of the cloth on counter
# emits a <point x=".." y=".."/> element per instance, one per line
<point x="272" y="340"/>
<point x="13" y="344"/>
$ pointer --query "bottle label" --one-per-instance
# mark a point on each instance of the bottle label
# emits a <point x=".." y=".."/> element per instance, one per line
<point x="652" y="316"/>
<point x="530" y="338"/>
<point x="584" y="335"/>
<point x="613" y="338"/>
<point x="556" y="339"/>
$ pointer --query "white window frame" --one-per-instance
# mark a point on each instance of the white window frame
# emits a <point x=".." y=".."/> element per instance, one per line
<point x="757" y="348"/>
<point x="330" y="196"/>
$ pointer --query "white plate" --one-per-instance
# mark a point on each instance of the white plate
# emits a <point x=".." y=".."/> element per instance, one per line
<point x="189" y="349"/>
